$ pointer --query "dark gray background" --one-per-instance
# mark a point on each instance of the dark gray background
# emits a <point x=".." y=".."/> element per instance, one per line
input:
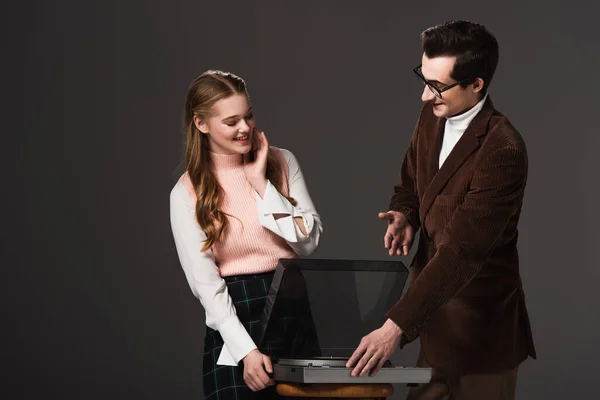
<point x="96" y="304"/>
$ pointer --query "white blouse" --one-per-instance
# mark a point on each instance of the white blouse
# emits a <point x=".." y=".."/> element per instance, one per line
<point x="201" y="270"/>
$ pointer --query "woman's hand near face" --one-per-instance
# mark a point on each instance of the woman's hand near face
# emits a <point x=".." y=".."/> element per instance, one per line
<point x="255" y="171"/>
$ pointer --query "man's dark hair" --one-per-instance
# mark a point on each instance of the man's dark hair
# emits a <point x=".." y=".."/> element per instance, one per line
<point x="475" y="49"/>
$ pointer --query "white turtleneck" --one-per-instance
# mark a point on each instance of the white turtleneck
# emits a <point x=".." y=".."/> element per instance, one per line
<point x="455" y="127"/>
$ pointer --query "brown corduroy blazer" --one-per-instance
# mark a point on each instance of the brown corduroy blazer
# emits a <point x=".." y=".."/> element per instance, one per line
<point x="465" y="299"/>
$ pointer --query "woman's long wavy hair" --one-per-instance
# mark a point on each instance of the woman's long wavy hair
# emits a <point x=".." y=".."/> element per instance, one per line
<point x="204" y="92"/>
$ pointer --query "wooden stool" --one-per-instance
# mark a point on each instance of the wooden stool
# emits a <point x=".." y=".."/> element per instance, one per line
<point x="370" y="391"/>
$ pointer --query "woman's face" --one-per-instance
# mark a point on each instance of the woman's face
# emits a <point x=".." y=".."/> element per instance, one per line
<point x="230" y="127"/>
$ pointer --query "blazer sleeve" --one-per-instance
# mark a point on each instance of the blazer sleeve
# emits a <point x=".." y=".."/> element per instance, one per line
<point x="495" y="196"/>
<point x="405" y="198"/>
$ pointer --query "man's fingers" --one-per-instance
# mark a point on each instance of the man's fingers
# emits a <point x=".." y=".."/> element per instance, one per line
<point x="394" y="246"/>
<point x="407" y="243"/>
<point x="355" y="356"/>
<point x="387" y="240"/>
<point x="379" y="365"/>
<point x="362" y="362"/>
<point x="386" y="215"/>
<point x="359" y="366"/>
<point x="372" y="362"/>
<point x="362" y="352"/>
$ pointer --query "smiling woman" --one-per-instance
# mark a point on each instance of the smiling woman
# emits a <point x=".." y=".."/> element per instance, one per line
<point x="230" y="126"/>
<point x="240" y="206"/>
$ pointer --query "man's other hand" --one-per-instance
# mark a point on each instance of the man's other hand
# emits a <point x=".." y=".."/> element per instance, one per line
<point x="399" y="235"/>
<point x="374" y="349"/>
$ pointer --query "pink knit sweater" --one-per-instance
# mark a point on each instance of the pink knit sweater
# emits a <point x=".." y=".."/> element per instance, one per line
<point x="246" y="247"/>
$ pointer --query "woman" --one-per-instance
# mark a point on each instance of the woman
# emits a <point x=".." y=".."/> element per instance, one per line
<point x="240" y="206"/>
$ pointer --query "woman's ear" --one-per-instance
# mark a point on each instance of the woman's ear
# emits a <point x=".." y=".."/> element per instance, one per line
<point x="200" y="125"/>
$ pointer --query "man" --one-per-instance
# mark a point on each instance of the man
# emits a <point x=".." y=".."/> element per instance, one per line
<point x="462" y="183"/>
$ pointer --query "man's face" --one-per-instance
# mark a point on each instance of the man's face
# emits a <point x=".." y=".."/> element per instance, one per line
<point x="453" y="101"/>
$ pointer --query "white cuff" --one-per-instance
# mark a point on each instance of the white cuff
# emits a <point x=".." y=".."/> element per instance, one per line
<point x="238" y="342"/>
<point x="274" y="202"/>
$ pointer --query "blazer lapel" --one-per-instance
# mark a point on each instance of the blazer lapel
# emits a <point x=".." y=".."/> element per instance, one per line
<point x="433" y="150"/>
<point x="466" y="145"/>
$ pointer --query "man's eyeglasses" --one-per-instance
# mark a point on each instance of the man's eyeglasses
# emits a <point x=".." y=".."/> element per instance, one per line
<point x="436" y="88"/>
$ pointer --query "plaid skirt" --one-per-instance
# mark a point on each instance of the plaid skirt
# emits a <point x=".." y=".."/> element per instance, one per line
<point x="249" y="294"/>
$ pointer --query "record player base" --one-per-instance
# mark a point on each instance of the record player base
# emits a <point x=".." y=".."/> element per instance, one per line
<point x="364" y="391"/>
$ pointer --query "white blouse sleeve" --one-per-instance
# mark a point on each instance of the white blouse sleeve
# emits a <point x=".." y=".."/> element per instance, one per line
<point x="204" y="279"/>
<point x="274" y="202"/>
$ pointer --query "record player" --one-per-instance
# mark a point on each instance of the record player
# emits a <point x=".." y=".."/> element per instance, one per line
<point x="316" y="313"/>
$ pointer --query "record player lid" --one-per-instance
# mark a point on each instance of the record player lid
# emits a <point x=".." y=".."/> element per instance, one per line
<point x="321" y="308"/>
